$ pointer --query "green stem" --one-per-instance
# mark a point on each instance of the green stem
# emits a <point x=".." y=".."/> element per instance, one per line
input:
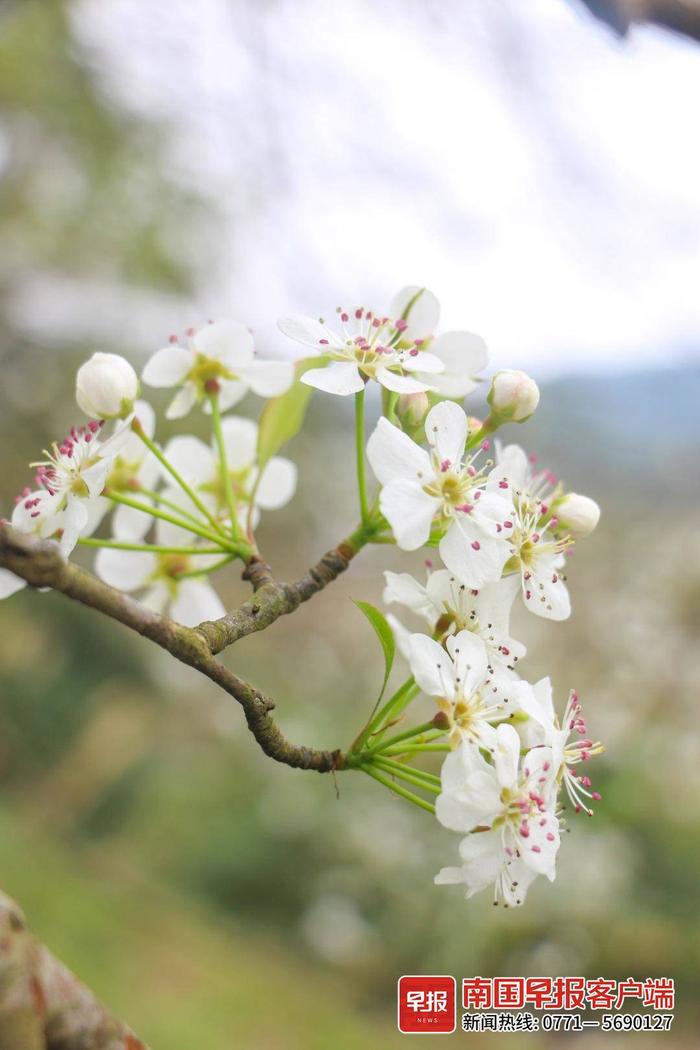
<point x="154" y="548"/>
<point x="154" y="512"/>
<point x="425" y="727"/>
<point x="360" y="454"/>
<point x="209" y="569"/>
<point x="391" y="709"/>
<point x="397" y="789"/>
<point x="138" y="429"/>
<point x="403" y="749"/>
<point x="223" y="465"/>
<point x="487" y="427"/>
<point x="157" y="498"/>
<point x="411" y="776"/>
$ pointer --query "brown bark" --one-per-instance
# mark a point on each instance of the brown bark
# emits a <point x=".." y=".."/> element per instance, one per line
<point x="43" y="1006"/>
<point x="40" y="563"/>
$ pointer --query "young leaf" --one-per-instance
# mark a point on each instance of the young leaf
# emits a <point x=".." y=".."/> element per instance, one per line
<point x="386" y="637"/>
<point x="283" y="416"/>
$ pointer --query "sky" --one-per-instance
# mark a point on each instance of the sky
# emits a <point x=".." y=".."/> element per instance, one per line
<point x="539" y="175"/>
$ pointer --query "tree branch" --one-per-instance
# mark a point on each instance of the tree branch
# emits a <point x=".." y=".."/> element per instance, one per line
<point x="43" y="1006"/>
<point x="274" y="599"/>
<point x="681" y="16"/>
<point x="40" y="563"/>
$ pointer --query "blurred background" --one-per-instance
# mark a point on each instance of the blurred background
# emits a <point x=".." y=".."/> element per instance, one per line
<point x="165" y="163"/>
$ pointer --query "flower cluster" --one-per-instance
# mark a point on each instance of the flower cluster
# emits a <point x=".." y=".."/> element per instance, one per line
<point x="177" y="513"/>
<point x="503" y="529"/>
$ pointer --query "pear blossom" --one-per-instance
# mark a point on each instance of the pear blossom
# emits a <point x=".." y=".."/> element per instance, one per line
<point x="543" y="727"/>
<point x="457" y="677"/>
<point x="65" y="504"/>
<point x="449" y="607"/>
<point x="165" y="580"/>
<point x="507" y="808"/>
<point x="219" y="358"/>
<point x="106" y="387"/>
<point x="444" y="486"/>
<point x="368" y="346"/>
<point x="513" y="396"/>
<point x="536" y="550"/>
<point x="200" y="467"/>
<point x="463" y="354"/>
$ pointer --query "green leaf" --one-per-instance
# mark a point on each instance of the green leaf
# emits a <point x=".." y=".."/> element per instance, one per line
<point x="283" y="417"/>
<point x="386" y="638"/>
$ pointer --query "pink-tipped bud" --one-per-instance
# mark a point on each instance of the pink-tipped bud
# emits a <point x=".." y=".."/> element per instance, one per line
<point x="513" y="396"/>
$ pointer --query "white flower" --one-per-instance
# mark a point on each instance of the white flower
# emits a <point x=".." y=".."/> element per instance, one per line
<point x="578" y="514"/>
<point x="106" y="387"/>
<point x="199" y="465"/>
<point x="220" y="358"/>
<point x="543" y="727"/>
<point x="161" y="577"/>
<point x="509" y="812"/>
<point x="444" y="486"/>
<point x="66" y="504"/>
<point x="449" y="607"/>
<point x="536" y="551"/>
<point x="513" y="396"/>
<point x="457" y="677"/>
<point x="463" y="354"/>
<point x="399" y="351"/>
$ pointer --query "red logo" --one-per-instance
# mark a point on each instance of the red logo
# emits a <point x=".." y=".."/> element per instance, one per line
<point x="427" y="1005"/>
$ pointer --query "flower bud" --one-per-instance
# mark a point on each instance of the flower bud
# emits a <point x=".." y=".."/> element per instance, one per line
<point x="106" y="387"/>
<point x="513" y="396"/>
<point x="412" y="409"/>
<point x="578" y="514"/>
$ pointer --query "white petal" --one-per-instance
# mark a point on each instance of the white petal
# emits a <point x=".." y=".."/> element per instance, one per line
<point x="147" y="418"/>
<point x="468" y="652"/>
<point x="129" y="524"/>
<point x="229" y="342"/>
<point x="402" y="636"/>
<point x="424" y="314"/>
<point x="545" y="592"/>
<point x="401" y="587"/>
<point x="73" y="520"/>
<point x="446" y="429"/>
<point x="127" y="570"/>
<point x="431" y="667"/>
<point x="268" y="378"/>
<point x="231" y="391"/>
<point x="422" y="362"/>
<point x="240" y="441"/>
<point x="507" y="755"/>
<point x="393" y="455"/>
<point x="512" y="466"/>
<point x="9" y="583"/>
<point x="449" y="877"/>
<point x="96" y="510"/>
<point x="182" y="402"/>
<point x="483" y="858"/>
<point x="477" y="802"/>
<point x="277" y="485"/>
<point x="308" y="331"/>
<point x="410" y="512"/>
<point x="464" y="355"/>
<point x="167" y="367"/>
<point x="475" y="559"/>
<point x="461" y="764"/>
<point x="156" y="597"/>
<point x="399" y="384"/>
<point x="340" y="377"/>
<point x="196" y="602"/>
<point x="192" y="459"/>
